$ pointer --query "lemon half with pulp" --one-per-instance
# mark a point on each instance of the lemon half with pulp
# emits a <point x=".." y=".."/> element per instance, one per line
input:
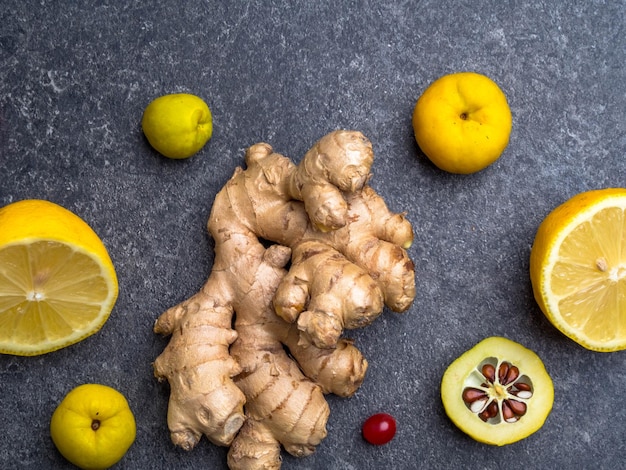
<point x="578" y="268"/>
<point x="57" y="282"/>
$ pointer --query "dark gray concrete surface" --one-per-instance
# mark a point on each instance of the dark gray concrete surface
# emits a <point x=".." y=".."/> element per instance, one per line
<point x="75" y="78"/>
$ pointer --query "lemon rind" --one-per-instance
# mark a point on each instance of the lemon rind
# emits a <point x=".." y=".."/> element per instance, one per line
<point x="552" y="301"/>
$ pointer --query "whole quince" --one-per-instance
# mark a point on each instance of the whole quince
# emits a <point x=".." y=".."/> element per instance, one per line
<point x="462" y="122"/>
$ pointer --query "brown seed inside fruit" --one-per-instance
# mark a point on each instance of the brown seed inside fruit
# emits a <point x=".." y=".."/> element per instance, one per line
<point x="507" y="412"/>
<point x="489" y="372"/>
<point x="511" y="375"/>
<point x="490" y="412"/>
<point x="470" y="394"/>
<point x="518" y="407"/>
<point x="502" y="371"/>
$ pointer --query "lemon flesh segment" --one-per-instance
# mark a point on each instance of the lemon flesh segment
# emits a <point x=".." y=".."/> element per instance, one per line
<point x="588" y="279"/>
<point x="51" y="295"/>
<point x="578" y="268"/>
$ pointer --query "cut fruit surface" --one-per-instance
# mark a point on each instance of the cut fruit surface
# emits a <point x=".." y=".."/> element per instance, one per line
<point x="57" y="282"/>
<point x="578" y="268"/>
<point x="498" y="392"/>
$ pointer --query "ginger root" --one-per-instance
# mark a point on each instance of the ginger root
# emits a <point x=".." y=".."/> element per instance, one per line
<point x="260" y="384"/>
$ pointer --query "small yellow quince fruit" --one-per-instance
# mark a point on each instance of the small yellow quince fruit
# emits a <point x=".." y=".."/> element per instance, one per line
<point x="462" y="122"/>
<point x="93" y="426"/>
<point x="177" y="125"/>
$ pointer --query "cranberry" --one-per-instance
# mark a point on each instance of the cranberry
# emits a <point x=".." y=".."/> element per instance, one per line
<point x="379" y="429"/>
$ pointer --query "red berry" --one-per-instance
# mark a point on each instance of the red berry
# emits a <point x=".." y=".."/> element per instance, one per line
<point x="379" y="429"/>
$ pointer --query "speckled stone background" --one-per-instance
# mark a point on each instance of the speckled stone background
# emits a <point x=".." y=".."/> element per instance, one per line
<point x="75" y="78"/>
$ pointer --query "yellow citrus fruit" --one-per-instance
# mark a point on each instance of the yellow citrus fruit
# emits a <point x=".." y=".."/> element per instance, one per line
<point x="578" y="268"/>
<point x="177" y="125"/>
<point x="462" y="122"/>
<point x="93" y="427"/>
<point x="57" y="282"/>
<point x="498" y="392"/>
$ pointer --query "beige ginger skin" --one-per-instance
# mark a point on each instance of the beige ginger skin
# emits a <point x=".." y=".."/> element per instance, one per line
<point x="346" y="258"/>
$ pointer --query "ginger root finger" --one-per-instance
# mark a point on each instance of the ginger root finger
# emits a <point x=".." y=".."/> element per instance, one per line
<point x="192" y="413"/>
<point x="289" y="406"/>
<point x="255" y="448"/>
<point x="381" y="222"/>
<point x="376" y="240"/>
<point x="342" y="295"/>
<point x="203" y="397"/>
<point x="338" y="163"/>
<point x="339" y="371"/>
<point x="283" y="408"/>
<point x="393" y="270"/>
<point x="282" y="403"/>
<point x="396" y="230"/>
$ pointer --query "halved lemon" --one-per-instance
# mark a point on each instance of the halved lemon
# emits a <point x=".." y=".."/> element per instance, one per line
<point x="57" y="282"/>
<point x="578" y="268"/>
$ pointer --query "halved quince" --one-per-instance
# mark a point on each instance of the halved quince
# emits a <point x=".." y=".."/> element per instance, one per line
<point x="498" y="392"/>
